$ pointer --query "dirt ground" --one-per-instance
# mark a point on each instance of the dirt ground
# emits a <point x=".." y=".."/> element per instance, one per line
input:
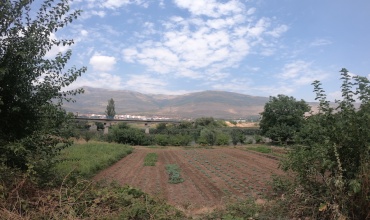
<point x="212" y="176"/>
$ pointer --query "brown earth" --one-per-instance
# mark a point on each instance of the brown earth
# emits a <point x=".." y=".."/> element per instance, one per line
<point x="212" y="176"/>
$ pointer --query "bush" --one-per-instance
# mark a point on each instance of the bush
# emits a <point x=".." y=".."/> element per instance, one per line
<point x="222" y="139"/>
<point x="124" y="134"/>
<point x="207" y="137"/>
<point x="237" y="136"/>
<point x="332" y="162"/>
<point x="258" y="138"/>
<point x="161" y="139"/>
<point x="180" y="140"/>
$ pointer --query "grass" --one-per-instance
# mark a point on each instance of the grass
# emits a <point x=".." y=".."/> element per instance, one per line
<point x="261" y="149"/>
<point x="150" y="159"/>
<point x="88" y="158"/>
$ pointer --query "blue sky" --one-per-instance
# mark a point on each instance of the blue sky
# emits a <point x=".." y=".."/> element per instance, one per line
<point x="254" y="47"/>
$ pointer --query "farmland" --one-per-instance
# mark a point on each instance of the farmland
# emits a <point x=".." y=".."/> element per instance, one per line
<point x="211" y="176"/>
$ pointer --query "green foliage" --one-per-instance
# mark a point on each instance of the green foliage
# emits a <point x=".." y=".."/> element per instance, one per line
<point x="87" y="135"/>
<point x="233" y="122"/>
<point x="110" y="112"/>
<point x="237" y="136"/>
<point x="161" y="126"/>
<point x="207" y="137"/>
<point x="209" y="122"/>
<point x="237" y="210"/>
<point x="162" y="139"/>
<point x="282" y="118"/>
<point x="150" y="159"/>
<point x="179" y="140"/>
<point x="332" y="162"/>
<point x="173" y="171"/>
<point x="124" y="134"/>
<point x="258" y="138"/>
<point x="31" y="118"/>
<point x="83" y="199"/>
<point x="99" y="125"/>
<point x="86" y="159"/>
<point x="261" y="149"/>
<point x="222" y="139"/>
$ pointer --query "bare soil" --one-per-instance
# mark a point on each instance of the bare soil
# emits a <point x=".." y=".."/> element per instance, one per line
<point x="212" y="176"/>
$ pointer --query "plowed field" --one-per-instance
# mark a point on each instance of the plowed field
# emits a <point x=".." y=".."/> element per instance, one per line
<point x="212" y="176"/>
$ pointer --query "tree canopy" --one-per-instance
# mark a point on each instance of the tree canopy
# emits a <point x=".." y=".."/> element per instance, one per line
<point x="110" y="112"/>
<point x="282" y="117"/>
<point x="332" y="160"/>
<point x="31" y="85"/>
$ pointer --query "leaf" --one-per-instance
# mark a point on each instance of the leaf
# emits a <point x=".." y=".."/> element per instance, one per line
<point x="323" y="207"/>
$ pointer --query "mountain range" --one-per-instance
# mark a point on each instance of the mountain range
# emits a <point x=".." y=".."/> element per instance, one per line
<point x="217" y="104"/>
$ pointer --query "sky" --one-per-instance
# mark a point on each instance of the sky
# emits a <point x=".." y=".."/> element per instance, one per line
<point x="253" y="47"/>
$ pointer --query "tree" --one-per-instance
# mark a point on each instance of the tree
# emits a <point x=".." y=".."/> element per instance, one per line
<point x="282" y="118"/>
<point x="332" y="162"/>
<point x="110" y="112"/>
<point x="31" y="96"/>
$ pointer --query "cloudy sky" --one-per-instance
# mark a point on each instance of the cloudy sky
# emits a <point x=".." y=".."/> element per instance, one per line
<point x="255" y="47"/>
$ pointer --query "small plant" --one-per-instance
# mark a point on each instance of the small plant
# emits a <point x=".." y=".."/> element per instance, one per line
<point x="150" y="159"/>
<point x="261" y="149"/>
<point x="173" y="171"/>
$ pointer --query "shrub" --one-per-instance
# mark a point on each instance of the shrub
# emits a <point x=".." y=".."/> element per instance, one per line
<point x="207" y="137"/>
<point x="237" y="136"/>
<point x="161" y="139"/>
<point x="222" y="139"/>
<point x="332" y="162"/>
<point x="258" y="138"/>
<point x="126" y="135"/>
<point x="180" y="140"/>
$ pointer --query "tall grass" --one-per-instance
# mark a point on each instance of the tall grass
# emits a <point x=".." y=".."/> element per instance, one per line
<point x="88" y="158"/>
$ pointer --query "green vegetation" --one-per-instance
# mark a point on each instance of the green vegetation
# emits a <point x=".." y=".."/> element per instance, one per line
<point x="150" y="159"/>
<point x="173" y="171"/>
<point x="237" y="136"/>
<point x="261" y="149"/>
<point x="332" y="162"/>
<point x="282" y="118"/>
<point x="110" y="112"/>
<point x="32" y="121"/>
<point x="124" y="134"/>
<point x="86" y="159"/>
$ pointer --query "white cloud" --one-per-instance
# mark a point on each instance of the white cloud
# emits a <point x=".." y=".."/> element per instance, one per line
<point x="211" y="8"/>
<point x="112" y="4"/>
<point x="102" y="63"/>
<point x="98" y="80"/>
<point x="84" y="33"/>
<point x="161" y="4"/>
<point x="320" y="42"/>
<point x="278" y="31"/>
<point x="300" y="73"/>
<point x="202" y="47"/>
<point x="147" y="84"/>
<point x="98" y="13"/>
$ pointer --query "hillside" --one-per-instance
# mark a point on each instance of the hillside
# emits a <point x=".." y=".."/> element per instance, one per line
<point x="217" y="104"/>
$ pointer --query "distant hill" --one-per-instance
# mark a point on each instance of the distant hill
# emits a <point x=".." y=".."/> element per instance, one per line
<point x="217" y="104"/>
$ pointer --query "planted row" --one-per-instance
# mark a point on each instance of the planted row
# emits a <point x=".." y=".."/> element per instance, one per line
<point x="150" y="159"/>
<point x="173" y="171"/>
